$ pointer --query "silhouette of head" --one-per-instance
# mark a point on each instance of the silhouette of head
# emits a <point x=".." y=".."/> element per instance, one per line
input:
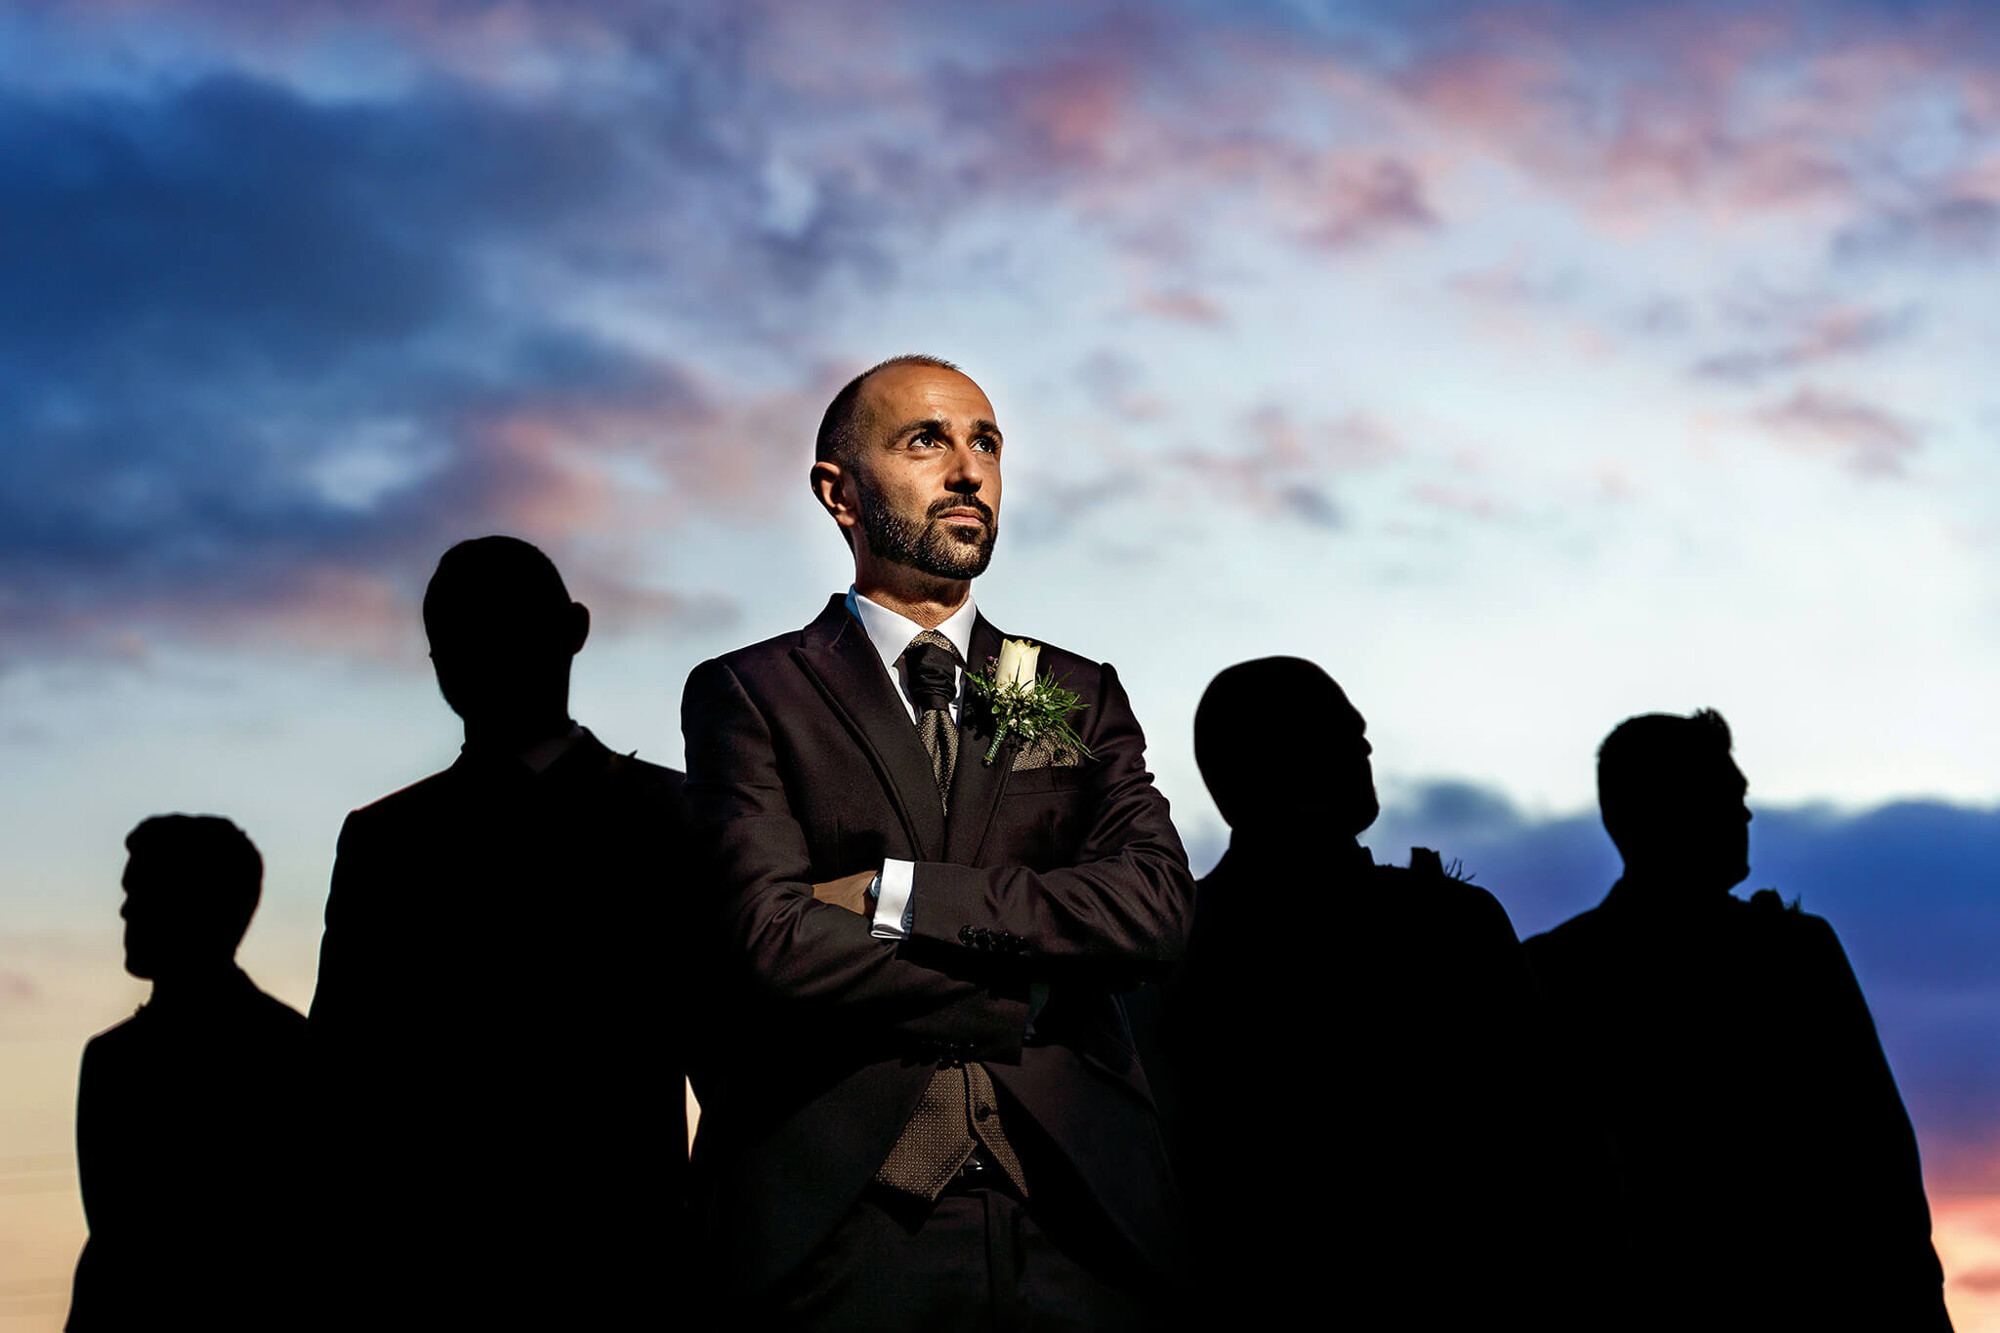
<point x="1283" y="751"/>
<point x="503" y="632"/>
<point x="191" y="885"/>
<point x="909" y="456"/>
<point x="1672" y="800"/>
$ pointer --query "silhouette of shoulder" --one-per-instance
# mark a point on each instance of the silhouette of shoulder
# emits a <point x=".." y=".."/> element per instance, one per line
<point x="1764" y="917"/>
<point x="1434" y="914"/>
<point x="639" y="773"/>
<point x="445" y="789"/>
<point x="1579" y="937"/>
<point x="249" y="1012"/>
<point x="419" y="803"/>
<point x="1443" y="895"/>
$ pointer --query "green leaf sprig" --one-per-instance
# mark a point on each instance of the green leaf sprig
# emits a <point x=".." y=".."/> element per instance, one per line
<point x="1034" y="710"/>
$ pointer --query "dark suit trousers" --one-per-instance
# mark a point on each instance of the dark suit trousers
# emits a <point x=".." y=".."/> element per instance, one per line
<point x="976" y="1261"/>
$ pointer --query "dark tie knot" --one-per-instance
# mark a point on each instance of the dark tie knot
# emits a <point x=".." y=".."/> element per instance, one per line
<point x="932" y="664"/>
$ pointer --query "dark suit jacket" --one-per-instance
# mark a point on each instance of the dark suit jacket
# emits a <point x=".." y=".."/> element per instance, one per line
<point x="1773" y="1173"/>
<point x="189" y="1123"/>
<point x="803" y="765"/>
<point x="1370" y="1039"/>
<point x="501" y="997"/>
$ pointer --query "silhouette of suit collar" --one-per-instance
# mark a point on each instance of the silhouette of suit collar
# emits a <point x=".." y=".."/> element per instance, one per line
<point x="542" y="754"/>
<point x="1660" y="899"/>
<point x="536" y="758"/>
<point x="558" y="756"/>
<point x="1300" y="855"/>
<point x="219" y="990"/>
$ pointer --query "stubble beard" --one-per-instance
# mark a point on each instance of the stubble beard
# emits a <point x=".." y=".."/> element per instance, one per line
<point x="926" y="545"/>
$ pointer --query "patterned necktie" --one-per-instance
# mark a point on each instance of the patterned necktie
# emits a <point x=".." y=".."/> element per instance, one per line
<point x="932" y="663"/>
<point x="959" y="1112"/>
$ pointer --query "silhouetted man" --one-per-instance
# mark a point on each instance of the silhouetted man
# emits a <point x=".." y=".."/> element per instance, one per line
<point x="1357" y="1055"/>
<point x="1772" y="1171"/>
<point x="931" y="1114"/>
<point x="191" y="1113"/>
<point x="500" y="993"/>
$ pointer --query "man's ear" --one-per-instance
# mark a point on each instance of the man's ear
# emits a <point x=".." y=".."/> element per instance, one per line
<point x="830" y="486"/>
<point x="579" y="627"/>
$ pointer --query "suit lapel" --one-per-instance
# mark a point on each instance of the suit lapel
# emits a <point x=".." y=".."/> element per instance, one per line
<point x="975" y="784"/>
<point x="838" y="658"/>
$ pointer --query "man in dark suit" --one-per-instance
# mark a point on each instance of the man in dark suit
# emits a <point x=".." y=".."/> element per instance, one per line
<point x="1369" y="1038"/>
<point x="1772" y="1171"/>
<point x="189" y="1113"/>
<point x="931" y="1114"/>
<point x="500" y="993"/>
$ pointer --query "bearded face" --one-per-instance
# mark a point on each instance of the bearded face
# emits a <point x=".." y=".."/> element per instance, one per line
<point x="942" y="540"/>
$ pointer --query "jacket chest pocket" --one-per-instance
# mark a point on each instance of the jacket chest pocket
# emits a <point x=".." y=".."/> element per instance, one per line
<point x="1044" y="816"/>
<point x="1059" y="780"/>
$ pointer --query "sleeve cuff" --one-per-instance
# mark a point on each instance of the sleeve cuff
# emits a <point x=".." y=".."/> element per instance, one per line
<point x="894" y="909"/>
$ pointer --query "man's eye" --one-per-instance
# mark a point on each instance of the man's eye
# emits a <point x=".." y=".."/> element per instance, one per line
<point x="988" y="443"/>
<point x="923" y="440"/>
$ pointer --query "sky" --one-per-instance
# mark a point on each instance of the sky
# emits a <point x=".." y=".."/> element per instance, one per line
<point x="1527" y="365"/>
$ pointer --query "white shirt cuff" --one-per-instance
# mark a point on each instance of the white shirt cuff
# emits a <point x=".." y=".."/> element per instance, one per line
<point x="892" y="908"/>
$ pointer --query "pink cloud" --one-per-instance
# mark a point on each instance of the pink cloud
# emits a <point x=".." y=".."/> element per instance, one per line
<point x="1808" y="334"/>
<point x="1181" y="305"/>
<point x="1286" y="472"/>
<point x="1869" y="439"/>
<point x="1965" y="1228"/>
<point x="1364" y="203"/>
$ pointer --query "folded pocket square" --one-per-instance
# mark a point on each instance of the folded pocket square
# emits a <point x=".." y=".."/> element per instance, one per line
<point x="1046" y="753"/>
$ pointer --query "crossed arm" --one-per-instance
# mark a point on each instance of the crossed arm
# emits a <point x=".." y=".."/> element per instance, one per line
<point x="1124" y="906"/>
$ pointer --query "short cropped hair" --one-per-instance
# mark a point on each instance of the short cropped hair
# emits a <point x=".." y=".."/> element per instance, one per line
<point x="1258" y="722"/>
<point x="839" y="439"/>
<point x="1650" y="762"/>
<point x="209" y="864"/>
<point x="491" y="579"/>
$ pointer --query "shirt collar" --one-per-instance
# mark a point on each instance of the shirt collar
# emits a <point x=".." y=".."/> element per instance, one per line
<point x="891" y="632"/>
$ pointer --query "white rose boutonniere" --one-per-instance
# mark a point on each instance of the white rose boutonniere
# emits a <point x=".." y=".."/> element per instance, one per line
<point x="1023" y="705"/>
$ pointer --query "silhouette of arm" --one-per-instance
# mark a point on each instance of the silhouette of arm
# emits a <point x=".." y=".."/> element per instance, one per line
<point x="797" y="952"/>
<point x="1127" y="904"/>
<point x="1876" y="1211"/>
<point x="345" y="965"/>
<point x="105" y="1276"/>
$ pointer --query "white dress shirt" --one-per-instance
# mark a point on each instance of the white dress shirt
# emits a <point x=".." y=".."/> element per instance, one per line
<point x="891" y="633"/>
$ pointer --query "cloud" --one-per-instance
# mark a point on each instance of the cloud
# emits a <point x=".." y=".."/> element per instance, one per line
<point x="1181" y="304"/>
<point x="1453" y="498"/>
<point x="283" y="319"/>
<point x="1905" y="885"/>
<point x="1871" y="440"/>
<point x="266" y="356"/>
<point x="1826" y="333"/>
<point x="1284" y="470"/>
<point x="1368" y="202"/>
<point x="1956" y="229"/>
<point x="1629" y="130"/>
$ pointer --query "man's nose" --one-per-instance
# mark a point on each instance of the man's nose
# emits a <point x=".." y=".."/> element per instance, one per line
<point x="968" y="470"/>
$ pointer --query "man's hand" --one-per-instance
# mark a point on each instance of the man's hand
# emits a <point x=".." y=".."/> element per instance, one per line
<point x="849" y="891"/>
